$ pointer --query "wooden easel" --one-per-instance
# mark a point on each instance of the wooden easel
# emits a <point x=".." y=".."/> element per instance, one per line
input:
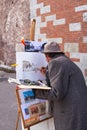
<point x="32" y="34"/>
<point x="18" y="114"/>
<point x="17" y="121"/>
<point x="32" y="30"/>
<point x="19" y="111"/>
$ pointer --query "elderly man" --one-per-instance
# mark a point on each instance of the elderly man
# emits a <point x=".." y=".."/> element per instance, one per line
<point x="68" y="94"/>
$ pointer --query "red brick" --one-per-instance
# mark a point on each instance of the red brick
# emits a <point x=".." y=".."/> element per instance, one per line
<point x="75" y="59"/>
<point x="38" y="12"/>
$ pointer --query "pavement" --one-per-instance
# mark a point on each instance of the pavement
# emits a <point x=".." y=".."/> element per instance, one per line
<point x="8" y="103"/>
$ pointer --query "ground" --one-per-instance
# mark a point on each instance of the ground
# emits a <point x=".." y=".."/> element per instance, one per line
<point x="8" y="103"/>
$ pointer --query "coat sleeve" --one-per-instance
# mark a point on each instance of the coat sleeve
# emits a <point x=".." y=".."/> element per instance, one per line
<point x="59" y="81"/>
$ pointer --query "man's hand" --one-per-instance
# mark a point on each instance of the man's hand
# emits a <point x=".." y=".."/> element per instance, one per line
<point x="43" y="70"/>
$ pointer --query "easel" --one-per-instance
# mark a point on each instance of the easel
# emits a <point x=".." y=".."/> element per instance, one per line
<point x="17" y="121"/>
<point x="32" y="34"/>
<point x="18" y="113"/>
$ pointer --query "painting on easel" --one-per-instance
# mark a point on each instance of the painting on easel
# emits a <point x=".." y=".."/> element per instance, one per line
<point x="29" y="64"/>
<point x="32" y="110"/>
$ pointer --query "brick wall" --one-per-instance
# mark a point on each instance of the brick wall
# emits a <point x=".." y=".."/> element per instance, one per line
<point x="64" y="22"/>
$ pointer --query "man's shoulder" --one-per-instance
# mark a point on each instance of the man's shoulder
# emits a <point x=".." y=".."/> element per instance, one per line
<point x="61" y="59"/>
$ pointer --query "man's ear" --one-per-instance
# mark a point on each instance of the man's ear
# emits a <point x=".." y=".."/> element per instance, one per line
<point x="46" y="55"/>
<point x="48" y="58"/>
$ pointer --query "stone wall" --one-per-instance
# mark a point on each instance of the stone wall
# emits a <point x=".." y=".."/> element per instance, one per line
<point x="14" y="24"/>
<point x="64" y="22"/>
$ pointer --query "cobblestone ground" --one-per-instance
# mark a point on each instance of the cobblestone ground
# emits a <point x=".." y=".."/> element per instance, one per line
<point x="8" y="103"/>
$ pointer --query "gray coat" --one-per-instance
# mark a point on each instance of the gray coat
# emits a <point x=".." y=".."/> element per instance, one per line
<point x="68" y="95"/>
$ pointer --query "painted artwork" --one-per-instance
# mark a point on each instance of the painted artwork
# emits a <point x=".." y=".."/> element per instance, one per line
<point x="34" y="46"/>
<point x="26" y="96"/>
<point x="33" y="110"/>
<point x="31" y="106"/>
<point x="29" y="65"/>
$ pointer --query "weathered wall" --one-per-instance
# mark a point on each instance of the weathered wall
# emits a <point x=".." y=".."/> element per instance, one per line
<point x="14" y="23"/>
<point x="64" y="22"/>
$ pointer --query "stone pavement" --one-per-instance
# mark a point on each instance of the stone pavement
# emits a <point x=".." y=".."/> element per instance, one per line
<point x="8" y="103"/>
